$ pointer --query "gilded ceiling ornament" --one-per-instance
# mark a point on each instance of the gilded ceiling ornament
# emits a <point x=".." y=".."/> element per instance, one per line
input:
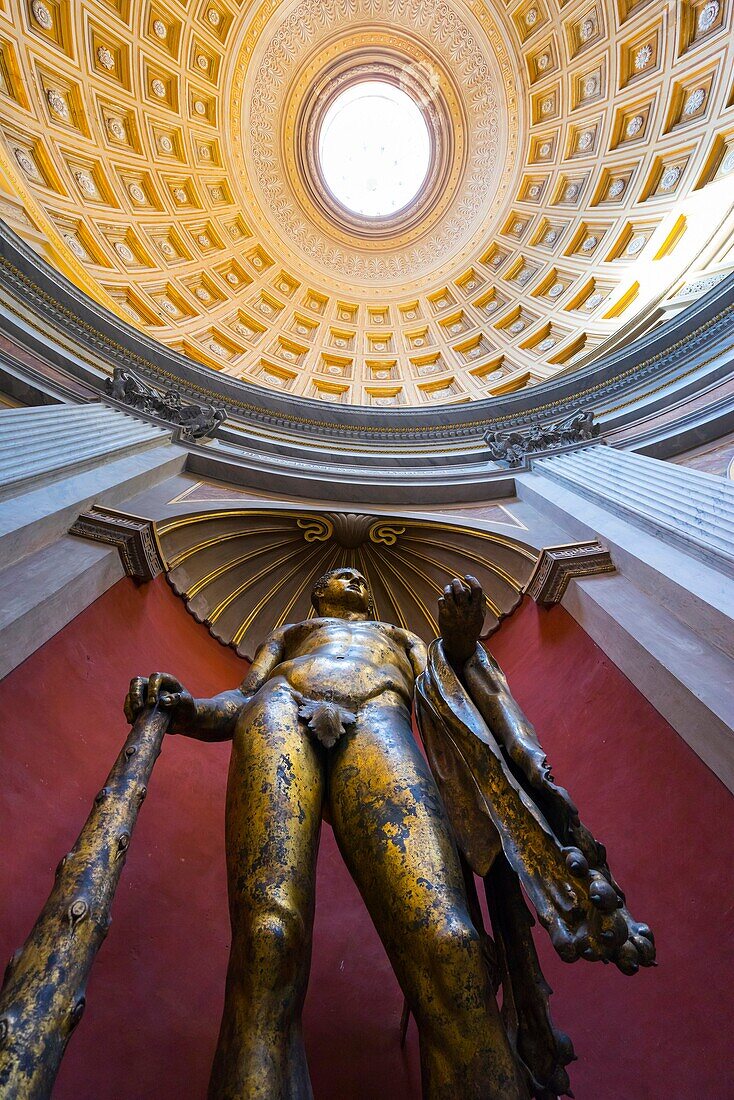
<point x="643" y="57"/>
<point x="124" y="252"/>
<point x="158" y="88"/>
<point x="76" y="246"/>
<point x="214" y="17"/>
<point x="117" y="128"/>
<point x="543" y="61"/>
<point x="694" y="101"/>
<point x="203" y="294"/>
<point x="137" y="193"/>
<point x="26" y="162"/>
<point x="57" y="103"/>
<point x="708" y="15"/>
<point x="634" y="125"/>
<point x="86" y="184"/>
<point x="160" y="30"/>
<point x="165" y="143"/>
<point x="200" y="107"/>
<point x="42" y="15"/>
<point x="670" y="177"/>
<point x="232" y="278"/>
<point x="105" y="58"/>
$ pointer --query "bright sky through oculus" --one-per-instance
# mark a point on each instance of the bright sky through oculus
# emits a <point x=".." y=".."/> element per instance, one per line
<point x="374" y="149"/>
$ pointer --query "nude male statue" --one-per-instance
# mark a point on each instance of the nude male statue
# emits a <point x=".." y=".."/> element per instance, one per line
<point x="344" y="681"/>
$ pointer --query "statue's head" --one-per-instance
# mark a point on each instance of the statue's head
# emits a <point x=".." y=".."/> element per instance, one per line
<point x="342" y="594"/>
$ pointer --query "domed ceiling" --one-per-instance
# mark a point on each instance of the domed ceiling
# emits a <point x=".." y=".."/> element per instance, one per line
<point x="169" y="156"/>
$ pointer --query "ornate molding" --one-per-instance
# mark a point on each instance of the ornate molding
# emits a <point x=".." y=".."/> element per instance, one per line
<point x="134" y="537"/>
<point x="513" y="448"/>
<point x="558" y="564"/>
<point x="195" y="421"/>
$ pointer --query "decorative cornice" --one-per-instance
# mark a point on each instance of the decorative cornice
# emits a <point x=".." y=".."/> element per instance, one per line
<point x="558" y="564"/>
<point x="134" y="537"/>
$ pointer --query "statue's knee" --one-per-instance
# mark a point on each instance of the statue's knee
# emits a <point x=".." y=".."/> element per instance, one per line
<point x="458" y="969"/>
<point x="276" y="939"/>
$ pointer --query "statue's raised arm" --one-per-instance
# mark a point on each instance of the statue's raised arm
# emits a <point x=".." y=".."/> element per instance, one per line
<point x="516" y="827"/>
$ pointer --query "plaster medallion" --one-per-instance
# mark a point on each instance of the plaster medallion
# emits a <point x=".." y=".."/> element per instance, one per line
<point x="42" y="15"/>
<point x="546" y="344"/>
<point x="516" y="327"/>
<point x="76" y="246"/>
<point x="524" y="276"/>
<point x="256" y="262"/>
<point x="203" y="294"/>
<point x="203" y="62"/>
<point x="550" y="236"/>
<point x="694" y="102"/>
<point x="636" y="245"/>
<point x="217" y="348"/>
<point x="410" y="315"/>
<point x="708" y="15"/>
<point x="546" y="106"/>
<point x="531" y="17"/>
<point x="168" y="307"/>
<point x="586" y="140"/>
<point x="117" y="128"/>
<point x="243" y="330"/>
<point x="214" y="17"/>
<point x="419" y="342"/>
<point x="572" y="192"/>
<point x="136" y="192"/>
<point x="158" y="88"/>
<point x="26" y="162"/>
<point x="57" y="103"/>
<point x="200" y="107"/>
<point x="167" y="249"/>
<point x="160" y="30"/>
<point x="589" y="243"/>
<point x="556" y="290"/>
<point x="616" y="187"/>
<point x="634" y="125"/>
<point x="86" y="184"/>
<point x="727" y="164"/>
<point x="670" y="177"/>
<point x="591" y="86"/>
<point x="165" y="143"/>
<point x="204" y="240"/>
<point x="105" y="57"/>
<point x="180" y="194"/>
<point x="587" y="30"/>
<point x="471" y="284"/>
<point x="302" y="330"/>
<point x="543" y="62"/>
<point x="594" y="300"/>
<point x="545" y="149"/>
<point x="124" y="252"/>
<point x="205" y="152"/>
<point x="266" y="308"/>
<point x="289" y="355"/>
<point x="335" y="370"/>
<point x="455" y="328"/>
<point x="643" y="57"/>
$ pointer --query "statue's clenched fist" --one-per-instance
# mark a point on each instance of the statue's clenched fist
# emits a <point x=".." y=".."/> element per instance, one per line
<point x="461" y="612"/>
<point x="167" y="691"/>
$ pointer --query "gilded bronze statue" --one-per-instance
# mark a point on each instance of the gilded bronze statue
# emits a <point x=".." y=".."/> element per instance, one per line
<point x="321" y="727"/>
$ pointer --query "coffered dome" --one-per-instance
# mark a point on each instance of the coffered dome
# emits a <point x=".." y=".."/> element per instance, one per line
<point x="538" y="180"/>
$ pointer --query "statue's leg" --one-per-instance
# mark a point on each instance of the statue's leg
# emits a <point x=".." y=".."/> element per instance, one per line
<point x="392" y="830"/>
<point x="274" y="803"/>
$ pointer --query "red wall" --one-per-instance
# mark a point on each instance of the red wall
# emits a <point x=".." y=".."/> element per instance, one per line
<point x="155" y="995"/>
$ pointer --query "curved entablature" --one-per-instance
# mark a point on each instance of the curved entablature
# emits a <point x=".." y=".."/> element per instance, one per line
<point x="76" y="346"/>
<point x="245" y="572"/>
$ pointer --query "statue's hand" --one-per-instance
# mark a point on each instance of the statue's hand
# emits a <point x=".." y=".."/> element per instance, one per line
<point x="461" y="612"/>
<point x="162" y="688"/>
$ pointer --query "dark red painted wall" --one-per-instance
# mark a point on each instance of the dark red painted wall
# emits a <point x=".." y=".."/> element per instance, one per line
<point x="155" y="994"/>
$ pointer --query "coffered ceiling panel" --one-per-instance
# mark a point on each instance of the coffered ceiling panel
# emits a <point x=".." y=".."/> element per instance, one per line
<point x="165" y="155"/>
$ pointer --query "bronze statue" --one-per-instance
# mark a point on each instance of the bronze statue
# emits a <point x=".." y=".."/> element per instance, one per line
<point x="321" y="726"/>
